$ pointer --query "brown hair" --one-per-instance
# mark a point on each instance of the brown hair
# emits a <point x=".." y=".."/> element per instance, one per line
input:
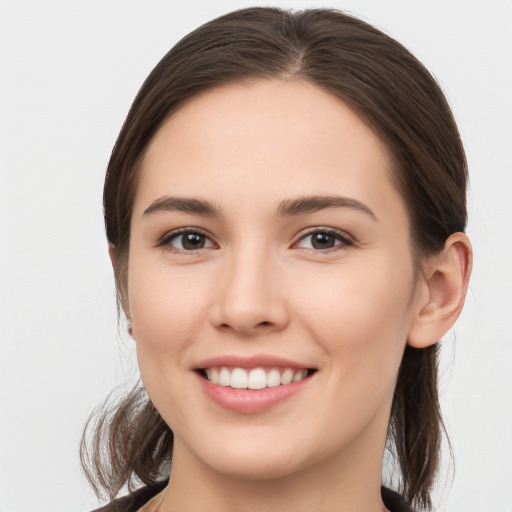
<point x="397" y="97"/>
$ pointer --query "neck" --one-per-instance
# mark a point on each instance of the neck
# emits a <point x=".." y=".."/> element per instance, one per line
<point x="328" y="485"/>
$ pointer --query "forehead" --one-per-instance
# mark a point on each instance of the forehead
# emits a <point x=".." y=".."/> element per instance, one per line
<point x="275" y="139"/>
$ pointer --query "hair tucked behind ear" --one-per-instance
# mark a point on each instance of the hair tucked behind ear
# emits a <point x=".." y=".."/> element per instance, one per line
<point x="390" y="91"/>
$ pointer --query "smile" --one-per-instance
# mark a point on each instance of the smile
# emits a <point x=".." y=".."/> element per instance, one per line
<point x="252" y="384"/>
<point x="255" y="378"/>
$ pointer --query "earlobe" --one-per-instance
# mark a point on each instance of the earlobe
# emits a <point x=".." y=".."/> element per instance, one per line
<point x="446" y="280"/>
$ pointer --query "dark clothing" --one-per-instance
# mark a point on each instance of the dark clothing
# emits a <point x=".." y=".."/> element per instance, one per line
<point x="137" y="499"/>
<point x="393" y="501"/>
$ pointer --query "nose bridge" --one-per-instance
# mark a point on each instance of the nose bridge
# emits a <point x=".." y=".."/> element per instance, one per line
<point x="250" y="298"/>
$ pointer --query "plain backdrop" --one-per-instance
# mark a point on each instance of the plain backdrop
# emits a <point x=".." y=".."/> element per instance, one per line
<point x="68" y="73"/>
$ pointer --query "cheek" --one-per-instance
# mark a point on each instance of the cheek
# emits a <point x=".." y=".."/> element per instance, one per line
<point x="360" y="316"/>
<point x="358" y="296"/>
<point x="362" y="327"/>
<point x="166" y="311"/>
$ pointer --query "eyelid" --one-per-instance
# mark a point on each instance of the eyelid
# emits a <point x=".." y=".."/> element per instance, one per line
<point x="345" y="239"/>
<point x="164" y="241"/>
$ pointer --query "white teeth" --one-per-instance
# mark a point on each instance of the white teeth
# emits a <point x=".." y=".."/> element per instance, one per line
<point x="224" y="377"/>
<point x="213" y="375"/>
<point x="273" y="378"/>
<point x="287" y="376"/>
<point x="299" y="375"/>
<point x="239" y="378"/>
<point x="257" y="378"/>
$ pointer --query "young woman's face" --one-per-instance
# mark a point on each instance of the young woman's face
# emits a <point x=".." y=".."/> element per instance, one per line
<point x="269" y="244"/>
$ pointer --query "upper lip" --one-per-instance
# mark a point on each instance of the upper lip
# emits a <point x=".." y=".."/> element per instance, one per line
<point x="255" y="361"/>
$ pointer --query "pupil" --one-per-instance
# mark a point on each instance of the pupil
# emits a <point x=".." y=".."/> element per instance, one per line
<point x="323" y="241"/>
<point x="193" y="241"/>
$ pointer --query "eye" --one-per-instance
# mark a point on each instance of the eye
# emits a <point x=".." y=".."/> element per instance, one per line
<point x="324" y="239"/>
<point x="187" y="240"/>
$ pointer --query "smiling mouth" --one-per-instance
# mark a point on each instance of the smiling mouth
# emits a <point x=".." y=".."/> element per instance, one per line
<point x="255" y="378"/>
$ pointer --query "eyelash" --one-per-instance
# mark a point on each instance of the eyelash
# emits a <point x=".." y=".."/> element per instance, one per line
<point x="166" y="240"/>
<point x="339" y="236"/>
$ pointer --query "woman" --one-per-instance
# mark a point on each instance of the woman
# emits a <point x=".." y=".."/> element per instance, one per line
<point x="285" y="208"/>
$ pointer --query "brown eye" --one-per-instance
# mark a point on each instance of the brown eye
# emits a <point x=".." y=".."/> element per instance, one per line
<point x="193" y="241"/>
<point x="189" y="241"/>
<point x="324" y="240"/>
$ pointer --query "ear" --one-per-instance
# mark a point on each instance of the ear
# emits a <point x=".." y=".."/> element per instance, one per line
<point x="445" y="281"/>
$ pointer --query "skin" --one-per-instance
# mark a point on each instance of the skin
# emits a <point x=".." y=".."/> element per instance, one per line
<point x="259" y="287"/>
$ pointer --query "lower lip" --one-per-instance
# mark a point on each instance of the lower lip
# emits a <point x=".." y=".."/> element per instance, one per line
<point x="250" y="401"/>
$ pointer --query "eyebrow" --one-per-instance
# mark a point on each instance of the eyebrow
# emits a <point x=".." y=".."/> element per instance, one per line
<point x="182" y="204"/>
<point x="289" y="207"/>
<point x="310" y="204"/>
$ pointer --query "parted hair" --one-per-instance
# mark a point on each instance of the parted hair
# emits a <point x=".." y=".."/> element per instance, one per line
<point x="126" y="442"/>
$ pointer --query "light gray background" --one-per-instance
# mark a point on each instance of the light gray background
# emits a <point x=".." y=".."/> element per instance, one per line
<point x="68" y="73"/>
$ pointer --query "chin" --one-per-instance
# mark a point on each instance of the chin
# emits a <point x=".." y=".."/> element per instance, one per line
<point x="257" y="465"/>
<point x="258" y="456"/>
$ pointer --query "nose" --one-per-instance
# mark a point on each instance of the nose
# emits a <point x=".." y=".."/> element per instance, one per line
<point x="250" y="298"/>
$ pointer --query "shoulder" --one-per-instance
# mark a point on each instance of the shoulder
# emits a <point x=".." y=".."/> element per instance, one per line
<point x="394" y="502"/>
<point x="133" y="501"/>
